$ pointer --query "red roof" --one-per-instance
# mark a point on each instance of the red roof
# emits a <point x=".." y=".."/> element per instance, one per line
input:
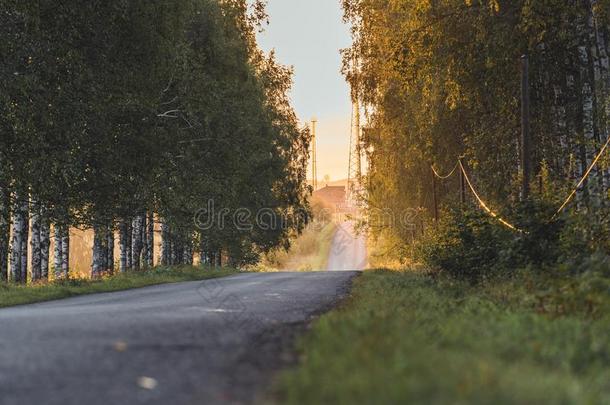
<point x="331" y="194"/>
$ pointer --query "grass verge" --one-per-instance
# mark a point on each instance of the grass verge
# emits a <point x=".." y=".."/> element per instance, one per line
<point x="409" y="338"/>
<point x="11" y="295"/>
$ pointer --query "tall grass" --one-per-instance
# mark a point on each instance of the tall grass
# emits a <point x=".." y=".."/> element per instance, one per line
<point x="411" y="338"/>
<point x="308" y="252"/>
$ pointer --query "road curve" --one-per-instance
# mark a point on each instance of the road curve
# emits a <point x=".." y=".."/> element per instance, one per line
<point x="216" y="341"/>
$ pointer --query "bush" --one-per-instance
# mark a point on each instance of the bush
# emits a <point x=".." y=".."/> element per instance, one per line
<point x="468" y="243"/>
<point x="464" y="244"/>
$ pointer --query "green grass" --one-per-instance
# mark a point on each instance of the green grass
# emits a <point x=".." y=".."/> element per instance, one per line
<point x="11" y="295"/>
<point x="408" y="338"/>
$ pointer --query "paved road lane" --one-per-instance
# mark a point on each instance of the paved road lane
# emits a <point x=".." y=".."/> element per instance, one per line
<point x="348" y="249"/>
<point x="215" y="341"/>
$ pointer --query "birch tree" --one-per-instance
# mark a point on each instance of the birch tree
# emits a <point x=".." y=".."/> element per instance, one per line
<point x="57" y="252"/>
<point x="4" y="233"/>
<point x="104" y="132"/>
<point x="35" y="241"/>
<point x="19" y="247"/>
<point x="45" y="244"/>
<point x="150" y="239"/>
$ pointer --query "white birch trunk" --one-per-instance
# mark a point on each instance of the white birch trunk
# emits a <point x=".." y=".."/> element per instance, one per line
<point x="599" y="94"/>
<point x="4" y="234"/>
<point x="150" y="240"/>
<point x="560" y="123"/>
<point x="589" y="72"/>
<point x="588" y="123"/>
<point x="129" y="263"/>
<point x="165" y="244"/>
<point x="17" y="241"/>
<point x="26" y="232"/>
<point x="57" y="253"/>
<point x="602" y="77"/>
<point x="97" y="265"/>
<point x="136" y="242"/>
<point x="104" y="252"/>
<point x="110" y="251"/>
<point x="45" y="244"/>
<point x="35" y="246"/>
<point x="65" y="251"/>
<point x="123" y="239"/>
<point x="144" y="239"/>
<point x="203" y="254"/>
<point x="134" y="238"/>
<point x="173" y="260"/>
<point x="188" y="253"/>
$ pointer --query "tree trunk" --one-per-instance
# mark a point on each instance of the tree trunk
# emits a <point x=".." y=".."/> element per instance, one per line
<point x="36" y="256"/>
<point x="57" y="254"/>
<point x="19" y="250"/>
<point x="144" y="238"/>
<point x="136" y="241"/>
<point x="4" y="233"/>
<point x="45" y="244"/>
<point x="110" y="251"/>
<point x="174" y="252"/>
<point x="219" y="257"/>
<point x="587" y="94"/>
<point x="104" y="252"/>
<point x="601" y="76"/>
<point x="123" y="242"/>
<point x="150" y="240"/>
<point x="128" y="233"/>
<point x="99" y="255"/>
<point x="24" y="246"/>
<point x="165" y="244"/>
<point x="65" y="251"/>
<point x="188" y="253"/>
<point x="203" y="253"/>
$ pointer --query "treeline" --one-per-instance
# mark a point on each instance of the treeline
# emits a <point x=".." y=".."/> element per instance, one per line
<point x="116" y="115"/>
<point x="441" y="80"/>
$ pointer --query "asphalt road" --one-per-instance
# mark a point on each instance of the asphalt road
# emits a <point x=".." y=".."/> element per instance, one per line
<point x="348" y="249"/>
<point x="217" y="341"/>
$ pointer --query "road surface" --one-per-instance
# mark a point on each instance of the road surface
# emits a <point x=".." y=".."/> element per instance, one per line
<point x="216" y="341"/>
<point x="348" y="249"/>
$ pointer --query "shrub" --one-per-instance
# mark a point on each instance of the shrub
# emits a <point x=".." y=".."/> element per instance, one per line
<point x="468" y="243"/>
<point x="464" y="244"/>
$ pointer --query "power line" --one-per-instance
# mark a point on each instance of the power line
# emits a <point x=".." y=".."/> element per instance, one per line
<point x="582" y="181"/>
<point x="500" y="219"/>
<point x="447" y="176"/>
<point x="482" y="203"/>
<point x="314" y="152"/>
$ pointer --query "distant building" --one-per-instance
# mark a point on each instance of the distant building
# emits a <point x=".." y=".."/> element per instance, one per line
<point x="333" y="196"/>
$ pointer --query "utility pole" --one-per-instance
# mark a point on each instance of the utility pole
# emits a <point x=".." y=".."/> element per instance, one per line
<point x="462" y="184"/>
<point x="354" y="175"/>
<point x="358" y="143"/>
<point x="526" y="158"/>
<point x="314" y="157"/>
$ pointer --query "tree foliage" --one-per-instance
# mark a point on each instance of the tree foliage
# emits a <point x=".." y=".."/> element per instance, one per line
<point x="112" y="111"/>
<point x="441" y="79"/>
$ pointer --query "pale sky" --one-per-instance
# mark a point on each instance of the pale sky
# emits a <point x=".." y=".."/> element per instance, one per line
<point x="308" y="34"/>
